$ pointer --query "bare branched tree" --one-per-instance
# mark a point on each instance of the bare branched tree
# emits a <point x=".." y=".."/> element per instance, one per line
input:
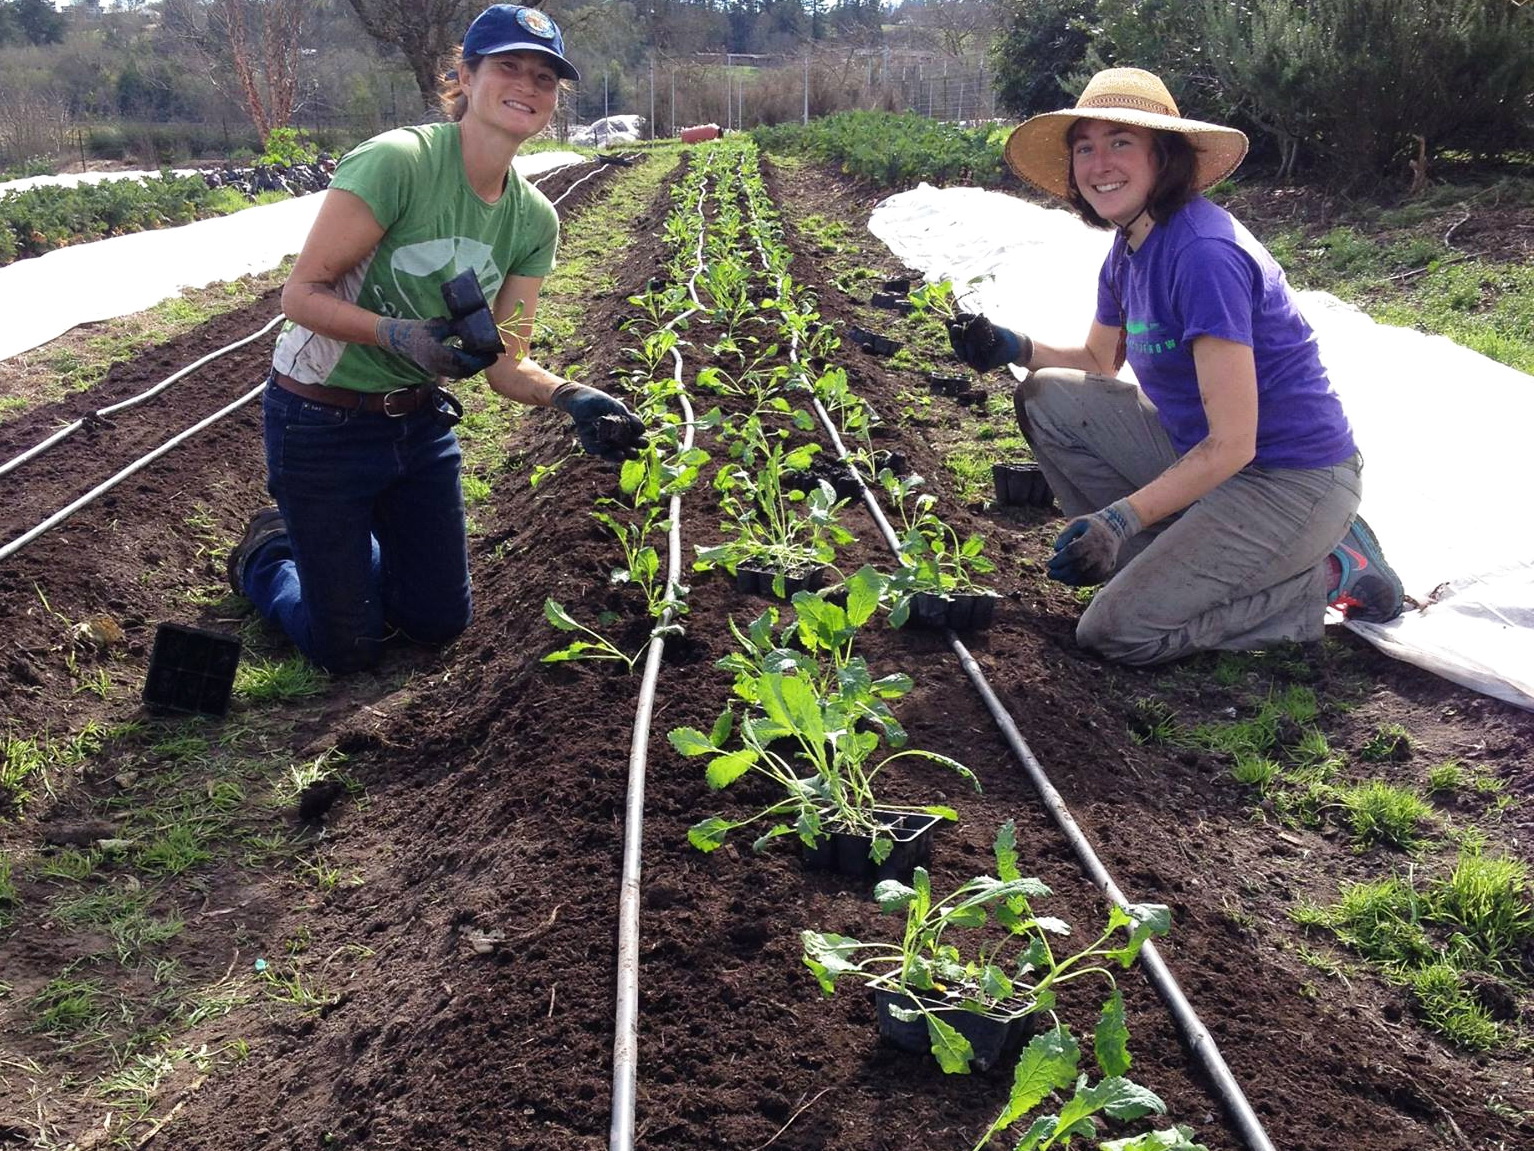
<point x="959" y="26"/>
<point x="250" y="49"/>
<point x="426" y="31"/>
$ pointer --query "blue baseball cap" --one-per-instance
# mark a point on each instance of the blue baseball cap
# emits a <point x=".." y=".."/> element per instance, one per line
<point x="514" y="28"/>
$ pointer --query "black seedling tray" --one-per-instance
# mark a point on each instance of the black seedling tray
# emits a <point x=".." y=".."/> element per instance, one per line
<point x="873" y="344"/>
<point x="1021" y="485"/>
<point x="191" y="670"/>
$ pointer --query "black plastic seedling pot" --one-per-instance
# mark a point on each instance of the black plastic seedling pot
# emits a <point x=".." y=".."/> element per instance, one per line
<point x="962" y="611"/>
<point x="945" y="385"/>
<point x="191" y="670"/>
<point x="1021" y="486"/>
<point x="993" y="1040"/>
<point x="756" y="581"/>
<point x="847" y="854"/>
<point x="873" y="344"/>
<point x="892" y="302"/>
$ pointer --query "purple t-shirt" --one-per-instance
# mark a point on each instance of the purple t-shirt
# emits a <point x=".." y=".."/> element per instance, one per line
<point x="1202" y="274"/>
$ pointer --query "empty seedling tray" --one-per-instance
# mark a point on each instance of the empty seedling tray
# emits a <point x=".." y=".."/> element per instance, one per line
<point x="191" y="670"/>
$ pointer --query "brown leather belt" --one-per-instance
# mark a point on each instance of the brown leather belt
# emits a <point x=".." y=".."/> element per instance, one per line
<point x="399" y="402"/>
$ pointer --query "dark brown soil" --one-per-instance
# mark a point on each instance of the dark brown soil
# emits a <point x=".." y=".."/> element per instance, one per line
<point x="491" y="811"/>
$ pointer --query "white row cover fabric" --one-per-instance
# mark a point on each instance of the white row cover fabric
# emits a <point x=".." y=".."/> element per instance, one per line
<point x="43" y="298"/>
<point x="1442" y="429"/>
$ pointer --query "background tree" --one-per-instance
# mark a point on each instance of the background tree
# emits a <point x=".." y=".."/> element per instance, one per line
<point x="250" y="48"/>
<point x="30" y="22"/>
<point x="1039" y="45"/>
<point x="426" y="32"/>
<point x="959" y="27"/>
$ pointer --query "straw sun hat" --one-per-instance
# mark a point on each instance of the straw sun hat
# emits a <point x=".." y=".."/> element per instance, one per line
<point x="1037" y="150"/>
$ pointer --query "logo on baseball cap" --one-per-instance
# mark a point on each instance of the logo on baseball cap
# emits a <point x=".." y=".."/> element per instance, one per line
<point x="513" y="28"/>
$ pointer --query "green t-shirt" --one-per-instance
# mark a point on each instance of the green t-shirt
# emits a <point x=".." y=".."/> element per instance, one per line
<point x="435" y="226"/>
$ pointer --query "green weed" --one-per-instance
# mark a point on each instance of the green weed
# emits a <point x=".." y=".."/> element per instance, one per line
<point x="1380" y="813"/>
<point x="68" y="1007"/>
<point x="9" y="899"/>
<point x="1390" y="743"/>
<point x="1447" y="1006"/>
<point x="124" y="917"/>
<point x="261" y="681"/>
<point x="1486" y="903"/>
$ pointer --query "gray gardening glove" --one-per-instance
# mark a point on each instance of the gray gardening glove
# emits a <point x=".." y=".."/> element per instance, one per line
<point x="1087" y="551"/>
<point x="605" y="426"/>
<point x="424" y="343"/>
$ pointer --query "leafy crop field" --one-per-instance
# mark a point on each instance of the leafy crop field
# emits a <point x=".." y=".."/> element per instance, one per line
<point x="384" y="911"/>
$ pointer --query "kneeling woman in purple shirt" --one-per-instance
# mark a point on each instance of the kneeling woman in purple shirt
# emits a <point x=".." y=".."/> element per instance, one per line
<point x="1216" y="501"/>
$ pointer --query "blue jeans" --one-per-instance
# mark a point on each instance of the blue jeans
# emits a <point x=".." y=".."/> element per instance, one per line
<point x="376" y="541"/>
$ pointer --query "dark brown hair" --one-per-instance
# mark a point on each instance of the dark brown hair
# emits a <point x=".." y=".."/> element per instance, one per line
<point x="451" y="98"/>
<point x="1176" y="172"/>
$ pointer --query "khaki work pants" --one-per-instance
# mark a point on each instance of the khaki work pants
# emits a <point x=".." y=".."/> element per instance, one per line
<point x="1241" y="568"/>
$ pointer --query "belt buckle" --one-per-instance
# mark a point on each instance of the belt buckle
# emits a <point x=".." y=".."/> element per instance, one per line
<point x="388" y="409"/>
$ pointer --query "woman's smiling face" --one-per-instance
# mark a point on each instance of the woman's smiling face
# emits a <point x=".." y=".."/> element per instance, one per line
<point x="1115" y="167"/>
<point x="515" y="91"/>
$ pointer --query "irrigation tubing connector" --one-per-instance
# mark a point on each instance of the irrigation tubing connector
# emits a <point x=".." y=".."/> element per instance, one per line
<point x="143" y="461"/>
<point x="626" y="1012"/>
<point x="103" y="413"/>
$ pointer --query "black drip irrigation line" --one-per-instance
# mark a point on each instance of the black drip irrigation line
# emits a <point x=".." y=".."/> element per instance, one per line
<point x="1160" y="975"/>
<point x="626" y="1013"/>
<point x="143" y="461"/>
<point x="102" y="413"/>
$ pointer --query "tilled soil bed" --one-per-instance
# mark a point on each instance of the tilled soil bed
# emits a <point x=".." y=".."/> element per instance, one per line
<point x="425" y="957"/>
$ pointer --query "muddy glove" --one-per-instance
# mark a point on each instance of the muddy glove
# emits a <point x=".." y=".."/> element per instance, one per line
<point x="984" y="346"/>
<point x="1087" y="551"/>
<point x="605" y="426"/>
<point x="424" y="343"/>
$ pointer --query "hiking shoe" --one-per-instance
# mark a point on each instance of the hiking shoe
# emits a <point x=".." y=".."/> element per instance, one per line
<point x="265" y="526"/>
<point x="1369" y="589"/>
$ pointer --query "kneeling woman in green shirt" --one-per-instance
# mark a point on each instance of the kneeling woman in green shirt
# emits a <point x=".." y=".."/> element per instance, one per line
<point x="368" y="537"/>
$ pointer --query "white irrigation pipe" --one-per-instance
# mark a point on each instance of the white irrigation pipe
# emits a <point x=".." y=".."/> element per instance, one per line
<point x="626" y="1014"/>
<point x="1192" y="1027"/>
<point x="101" y="489"/>
<point x="71" y="429"/>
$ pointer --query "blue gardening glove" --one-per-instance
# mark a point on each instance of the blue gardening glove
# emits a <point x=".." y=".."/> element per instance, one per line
<point x="605" y="426"/>
<point x="424" y="343"/>
<point x="1087" y="551"/>
<point x="984" y="346"/>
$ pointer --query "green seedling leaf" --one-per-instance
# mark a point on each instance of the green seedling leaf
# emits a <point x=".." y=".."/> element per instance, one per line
<point x="892" y="895"/>
<point x="1124" y="1099"/>
<point x="577" y="650"/>
<point x="776" y="831"/>
<point x="1144" y="920"/>
<point x="1006" y="851"/>
<point x="864" y="589"/>
<point x="709" y="834"/>
<point x="941" y="812"/>
<point x="1177" y="1138"/>
<point x="725" y="769"/>
<point x="1042" y="1129"/>
<point x="1047" y="1064"/>
<point x="690" y="741"/>
<point x="951" y="1050"/>
<point x="722" y="727"/>
<point x="995" y="984"/>
<point x="829" y="956"/>
<point x="790" y="702"/>
<point x="879" y="850"/>
<point x="1111" y="1039"/>
<point x="558" y="616"/>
